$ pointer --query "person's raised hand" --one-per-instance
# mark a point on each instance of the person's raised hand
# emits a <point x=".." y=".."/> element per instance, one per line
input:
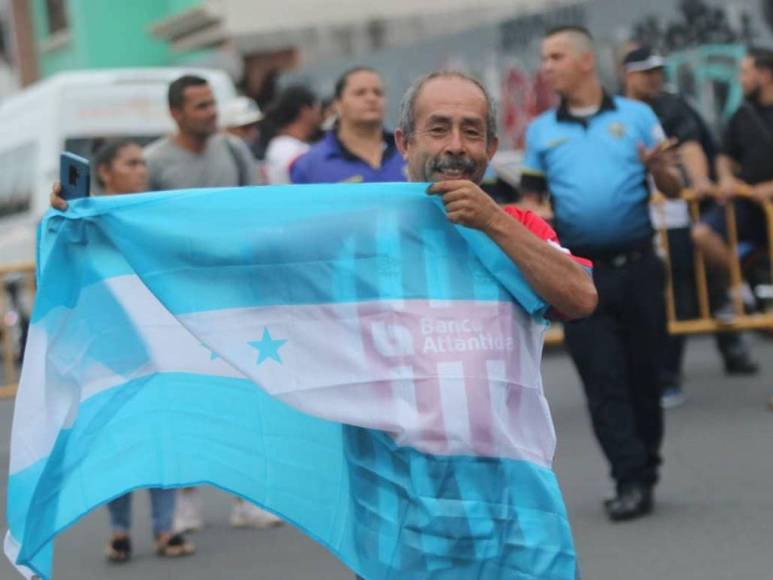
<point x="57" y="201"/>
<point x="729" y="188"/>
<point x="762" y="193"/>
<point x="661" y="155"/>
<point x="704" y="188"/>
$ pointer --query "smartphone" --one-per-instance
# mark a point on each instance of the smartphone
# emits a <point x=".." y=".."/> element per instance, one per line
<point x="74" y="175"/>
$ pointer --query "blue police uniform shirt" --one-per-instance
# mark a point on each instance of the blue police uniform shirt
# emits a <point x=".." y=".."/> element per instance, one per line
<point x="591" y="167"/>
<point x="329" y="161"/>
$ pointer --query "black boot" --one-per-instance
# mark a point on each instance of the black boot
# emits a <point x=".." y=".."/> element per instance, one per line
<point x="632" y="501"/>
<point x="741" y="364"/>
<point x="736" y="354"/>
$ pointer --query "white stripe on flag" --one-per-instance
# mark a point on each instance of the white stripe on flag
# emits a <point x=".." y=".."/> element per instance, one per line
<point x="453" y="399"/>
<point x="497" y="385"/>
<point x="404" y="396"/>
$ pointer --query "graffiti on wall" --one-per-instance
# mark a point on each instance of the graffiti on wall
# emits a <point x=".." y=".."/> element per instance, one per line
<point x="523" y="96"/>
<point x="707" y="76"/>
<point x="700" y="38"/>
<point x="703" y="45"/>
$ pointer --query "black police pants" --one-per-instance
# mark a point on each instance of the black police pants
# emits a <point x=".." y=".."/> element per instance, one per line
<point x="617" y="352"/>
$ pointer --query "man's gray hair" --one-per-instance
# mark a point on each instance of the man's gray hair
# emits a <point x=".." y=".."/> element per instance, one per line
<point x="407" y="119"/>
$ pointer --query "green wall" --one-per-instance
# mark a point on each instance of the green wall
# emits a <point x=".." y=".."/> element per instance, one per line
<point x="107" y="34"/>
<point x="175" y="6"/>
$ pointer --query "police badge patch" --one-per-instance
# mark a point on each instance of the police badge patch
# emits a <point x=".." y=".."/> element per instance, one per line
<point x="617" y="130"/>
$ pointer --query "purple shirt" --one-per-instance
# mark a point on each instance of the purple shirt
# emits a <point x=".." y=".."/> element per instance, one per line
<point x="329" y="161"/>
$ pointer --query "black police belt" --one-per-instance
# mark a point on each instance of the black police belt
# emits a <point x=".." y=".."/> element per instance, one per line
<point x="617" y="256"/>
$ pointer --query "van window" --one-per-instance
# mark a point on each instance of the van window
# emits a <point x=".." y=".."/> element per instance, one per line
<point x="17" y="166"/>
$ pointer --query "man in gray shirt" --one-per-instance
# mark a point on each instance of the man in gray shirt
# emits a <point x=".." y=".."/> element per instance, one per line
<point x="197" y="155"/>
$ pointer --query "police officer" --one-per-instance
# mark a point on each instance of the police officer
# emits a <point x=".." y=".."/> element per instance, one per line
<point x="593" y="155"/>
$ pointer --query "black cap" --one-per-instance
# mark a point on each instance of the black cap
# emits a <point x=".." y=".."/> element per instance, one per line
<point x="642" y="59"/>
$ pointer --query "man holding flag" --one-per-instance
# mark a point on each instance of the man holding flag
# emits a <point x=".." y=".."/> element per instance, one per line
<point x="447" y="134"/>
<point x="379" y="388"/>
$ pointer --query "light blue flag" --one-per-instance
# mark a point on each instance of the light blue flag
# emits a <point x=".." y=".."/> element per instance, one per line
<point x="340" y="355"/>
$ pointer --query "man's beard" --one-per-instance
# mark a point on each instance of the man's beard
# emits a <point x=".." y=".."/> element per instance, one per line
<point x="202" y="131"/>
<point x="466" y="167"/>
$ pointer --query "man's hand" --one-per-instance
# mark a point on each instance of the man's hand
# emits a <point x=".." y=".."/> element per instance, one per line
<point x="552" y="274"/>
<point x="693" y="159"/>
<point x="762" y="192"/>
<point x="704" y="188"/>
<point x="729" y="187"/>
<point x="660" y="162"/>
<point x="466" y="203"/>
<point x="661" y="156"/>
<point x="57" y="201"/>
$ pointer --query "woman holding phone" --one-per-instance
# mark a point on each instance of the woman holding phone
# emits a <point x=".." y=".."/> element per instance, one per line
<point x="119" y="167"/>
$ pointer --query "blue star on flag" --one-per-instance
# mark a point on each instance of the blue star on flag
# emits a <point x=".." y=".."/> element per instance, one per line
<point x="268" y="347"/>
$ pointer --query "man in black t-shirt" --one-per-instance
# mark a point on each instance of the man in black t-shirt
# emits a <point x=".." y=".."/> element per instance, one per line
<point x="745" y="163"/>
<point x="643" y="79"/>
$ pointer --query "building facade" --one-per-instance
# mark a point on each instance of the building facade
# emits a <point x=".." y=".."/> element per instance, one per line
<point x="49" y="36"/>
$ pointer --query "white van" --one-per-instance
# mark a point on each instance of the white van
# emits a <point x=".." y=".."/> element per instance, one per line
<point x="71" y="111"/>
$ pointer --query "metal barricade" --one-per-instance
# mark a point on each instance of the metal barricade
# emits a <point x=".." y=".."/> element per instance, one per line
<point x="14" y="317"/>
<point x="705" y="322"/>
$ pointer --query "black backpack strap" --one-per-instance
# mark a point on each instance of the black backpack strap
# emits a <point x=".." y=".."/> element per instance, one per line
<point x="239" y="160"/>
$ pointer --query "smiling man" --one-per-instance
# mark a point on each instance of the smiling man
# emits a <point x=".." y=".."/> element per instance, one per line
<point x="447" y="134"/>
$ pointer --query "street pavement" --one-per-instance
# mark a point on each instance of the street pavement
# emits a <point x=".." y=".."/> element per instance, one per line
<point x="713" y="519"/>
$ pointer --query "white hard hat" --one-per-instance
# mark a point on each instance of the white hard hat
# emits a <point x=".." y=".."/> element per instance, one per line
<point x="239" y="112"/>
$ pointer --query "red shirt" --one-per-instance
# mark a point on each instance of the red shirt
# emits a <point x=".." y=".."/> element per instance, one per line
<point x="541" y="229"/>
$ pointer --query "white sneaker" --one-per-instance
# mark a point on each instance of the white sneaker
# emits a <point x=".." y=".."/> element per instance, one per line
<point x="672" y="397"/>
<point x="187" y="512"/>
<point x="247" y="515"/>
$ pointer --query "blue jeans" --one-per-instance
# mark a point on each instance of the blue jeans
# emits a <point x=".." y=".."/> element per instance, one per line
<point x="162" y="502"/>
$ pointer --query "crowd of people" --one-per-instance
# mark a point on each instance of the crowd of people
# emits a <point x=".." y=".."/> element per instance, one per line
<point x="595" y="159"/>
